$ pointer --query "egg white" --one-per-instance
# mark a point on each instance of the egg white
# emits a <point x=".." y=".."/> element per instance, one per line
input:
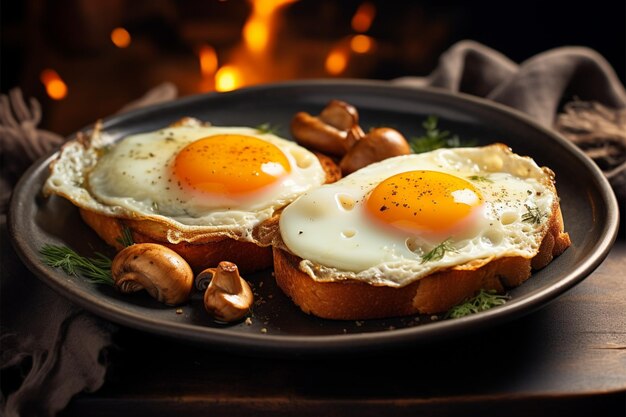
<point x="329" y="228"/>
<point x="131" y="178"/>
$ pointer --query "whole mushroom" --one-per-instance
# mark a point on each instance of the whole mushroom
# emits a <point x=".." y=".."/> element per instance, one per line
<point x="163" y="273"/>
<point x="378" y="144"/>
<point x="228" y="296"/>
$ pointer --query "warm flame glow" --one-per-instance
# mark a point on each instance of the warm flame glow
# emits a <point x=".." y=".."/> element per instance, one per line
<point x="55" y="87"/>
<point x="256" y="35"/>
<point x="256" y="31"/>
<point x="251" y="61"/>
<point x="120" y="37"/>
<point x="361" y="44"/>
<point x="364" y="16"/>
<point x="228" y="78"/>
<point x="336" y="61"/>
<point x="208" y="60"/>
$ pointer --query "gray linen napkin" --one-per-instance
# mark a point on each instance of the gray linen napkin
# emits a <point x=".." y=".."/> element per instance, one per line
<point x="57" y="347"/>
<point x="594" y="117"/>
<point x="51" y="347"/>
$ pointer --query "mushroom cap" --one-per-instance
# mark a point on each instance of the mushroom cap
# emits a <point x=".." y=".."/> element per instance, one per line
<point x="163" y="273"/>
<point x="378" y="144"/>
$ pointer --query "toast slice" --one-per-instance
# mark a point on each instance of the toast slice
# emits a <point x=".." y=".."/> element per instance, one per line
<point x="202" y="248"/>
<point x="435" y="293"/>
<point x="210" y="249"/>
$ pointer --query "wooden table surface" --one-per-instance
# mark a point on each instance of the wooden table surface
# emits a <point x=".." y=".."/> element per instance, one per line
<point x="568" y="358"/>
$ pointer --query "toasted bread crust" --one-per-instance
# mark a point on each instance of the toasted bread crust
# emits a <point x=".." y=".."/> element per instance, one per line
<point x="248" y="256"/>
<point x="208" y="251"/>
<point x="436" y="293"/>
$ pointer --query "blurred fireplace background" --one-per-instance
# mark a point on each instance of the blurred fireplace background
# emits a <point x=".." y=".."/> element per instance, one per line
<point x="85" y="59"/>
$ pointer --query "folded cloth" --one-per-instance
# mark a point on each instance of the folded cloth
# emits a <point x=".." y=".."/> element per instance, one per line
<point x="594" y="117"/>
<point x="55" y="349"/>
<point x="50" y="349"/>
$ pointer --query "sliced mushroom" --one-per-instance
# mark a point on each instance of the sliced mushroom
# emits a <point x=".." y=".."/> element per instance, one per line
<point x="378" y="144"/>
<point x="228" y="297"/>
<point x="340" y="115"/>
<point x="163" y="273"/>
<point x="334" y="131"/>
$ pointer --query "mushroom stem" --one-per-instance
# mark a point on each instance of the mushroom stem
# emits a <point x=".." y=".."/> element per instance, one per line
<point x="228" y="297"/>
<point x="227" y="278"/>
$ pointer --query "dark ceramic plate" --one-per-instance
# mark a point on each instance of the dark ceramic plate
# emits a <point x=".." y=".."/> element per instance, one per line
<point x="589" y="209"/>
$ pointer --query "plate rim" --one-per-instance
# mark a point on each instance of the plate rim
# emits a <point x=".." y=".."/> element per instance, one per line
<point x="300" y="344"/>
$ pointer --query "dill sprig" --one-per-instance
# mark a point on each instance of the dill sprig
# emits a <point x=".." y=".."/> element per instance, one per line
<point x="439" y="251"/>
<point x="434" y="138"/>
<point x="533" y="215"/>
<point x="126" y="239"/>
<point x="96" y="270"/>
<point x="482" y="301"/>
<point x="267" y="128"/>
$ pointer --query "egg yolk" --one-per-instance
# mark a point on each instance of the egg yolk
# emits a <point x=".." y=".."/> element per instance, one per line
<point x="419" y="201"/>
<point x="230" y="164"/>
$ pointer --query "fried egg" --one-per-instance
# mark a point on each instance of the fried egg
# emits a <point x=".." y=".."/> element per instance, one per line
<point x="196" y="179"/>
<point x="406" y="217"/>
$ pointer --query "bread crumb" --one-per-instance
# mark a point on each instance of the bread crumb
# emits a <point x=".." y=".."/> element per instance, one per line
<point x="179" y="311"/>
<point x="434" y="317"/>
<point x="359" y="323"/>
<point x="264" y="330"/>
<point x="248" y="321"/>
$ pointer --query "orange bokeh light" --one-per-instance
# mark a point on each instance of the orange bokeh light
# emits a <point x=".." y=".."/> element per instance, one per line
<point x="363" y="17"/>
<point x="361" y="44"/>
<point x="228" y="78"/>
<point x="336" y="61"/>
<point x="55" y="87"/>
<point x="120" y="37"/>
<point x="208" y="60"/>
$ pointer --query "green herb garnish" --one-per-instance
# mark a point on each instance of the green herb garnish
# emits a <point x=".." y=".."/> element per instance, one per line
<point x="482" y="301"/>
<point x="533" y="215"/>
<point x="126" y="239"/>
<point x="267" y="128"/>
<point x="479" y="178"/>
<point x="439" y="251"/>
<point x="434" y="138"/>
<point x="97" y="269"/>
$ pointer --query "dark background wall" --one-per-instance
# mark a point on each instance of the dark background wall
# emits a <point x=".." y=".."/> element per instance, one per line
<point x="71" y="36"/>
